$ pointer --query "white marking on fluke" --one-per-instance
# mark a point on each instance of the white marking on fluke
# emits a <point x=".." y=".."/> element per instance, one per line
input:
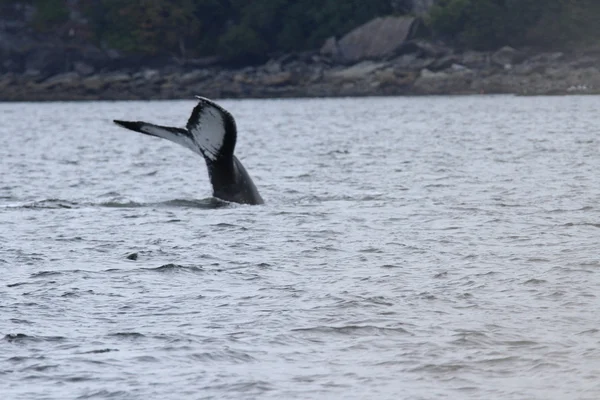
<point x="161" y="132"/>
<point x="209" y="130"/>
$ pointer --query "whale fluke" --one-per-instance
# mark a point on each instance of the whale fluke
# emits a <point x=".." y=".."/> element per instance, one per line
<point x="210" y="132"/>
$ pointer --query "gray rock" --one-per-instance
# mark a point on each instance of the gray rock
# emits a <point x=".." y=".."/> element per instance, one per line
<point x="378" y="38"/>
<point x="506" y="57"/>
<point x="7" y="80"/>
<point x="411" y="62"/>
<point x="272" y="67"/>
<point x="547" y="57"/>
<point x="427" y="49"/>
<point x="443" y="63"/>
<point x="277" y="79"/>
<point x="83" y="69"/>
<point x="65" y="79"/>
<point x="459" y="67"/>
<point x="150" y="74"/>
<point x="356" y="72"/>
<point x="117" y="77"/>
<point x="94" y="82"/>
<point x="330" y="48"/>
<point x="451" y="81"/>
<point x="474" y="59"/>
<point x="146" y="75"/>
<point x="194" y="76"/>
<point x="431" y="75"/>
<point x="584" y="62"/>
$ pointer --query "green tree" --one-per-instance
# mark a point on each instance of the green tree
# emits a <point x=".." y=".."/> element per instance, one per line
<point x="49" y="14"/>
<point x="242" y="44"/>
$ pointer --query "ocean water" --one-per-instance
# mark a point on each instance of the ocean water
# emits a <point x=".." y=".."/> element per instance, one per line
<point x="409" y="248"/>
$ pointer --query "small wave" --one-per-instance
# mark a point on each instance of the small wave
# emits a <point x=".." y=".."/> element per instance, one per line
<point x="225" y="355"/>
<point x="22" y="359"/>
<point x="174" y="268"/>
<point x="226" y="226"/>
<point x="207" y="203"/>
<point x="11" y="285"/>
<point x="358" y="330"/>
<point x="40" y="367"/>
<point x="471" y="338"/>
<point x="119" y="204"/>
<point x="440" y="368"/>
<point x="520" y="343"/>
<point x="146" y="359"/>
<point x="44" y="274"/>
<point x="594" y="225"/>
<point x="99" y="351"/>
<point x="20" y="321"/>
<point x="534" y="281"/>
<point x="23" y="338"/>
<point x="242" y="387"/>
<point x="498" y="360"/>
<point x="592" y="331"/>
<point x="48" y="204"/>
<point x="104" y="394"/>
<point x="127" y="335"/>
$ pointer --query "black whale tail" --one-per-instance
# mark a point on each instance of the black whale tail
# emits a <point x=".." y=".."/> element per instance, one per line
<point x="176" y="135"/>
<point x="211" y="132"/>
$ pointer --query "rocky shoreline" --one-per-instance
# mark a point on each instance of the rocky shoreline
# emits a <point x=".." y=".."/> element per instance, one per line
<point x="417" y="68"/>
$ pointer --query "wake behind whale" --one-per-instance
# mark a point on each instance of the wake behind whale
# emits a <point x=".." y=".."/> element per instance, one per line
<point x="212" y="133"/>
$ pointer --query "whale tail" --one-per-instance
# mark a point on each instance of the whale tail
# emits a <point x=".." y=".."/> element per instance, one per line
<point x="211" y="131"/>
<point x="176" y="135"/>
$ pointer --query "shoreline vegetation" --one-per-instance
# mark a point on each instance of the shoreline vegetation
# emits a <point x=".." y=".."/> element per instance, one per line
<point x="392" y="48"/>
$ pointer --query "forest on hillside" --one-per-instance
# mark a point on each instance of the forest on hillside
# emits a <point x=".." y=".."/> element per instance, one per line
<point x="249" y="31"/>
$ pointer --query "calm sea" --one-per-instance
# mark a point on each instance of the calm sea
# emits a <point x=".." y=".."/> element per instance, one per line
<point x="409" y="248"/>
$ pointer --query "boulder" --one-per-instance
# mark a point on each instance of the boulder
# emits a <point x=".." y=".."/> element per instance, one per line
<point x="94" y="82"/>
<point x="277" y="79"/>
<point x="272" y="67"/>
<point x="443" y="63"/>
<point x="506" y="57"/>
<point x="194" y="76"/>
<point x="450" y="81"/>
<point x="66" y="79"/>
<point x="330" y="48"/>
<point x="378" y="38"/>
<point x="411" y="62"/>
<point x="7" y="80"/>
<point x="474" y="59"/>
<point x="117" y="77"/>
<point x="83" y="69"/>
<point x="424" y="48"/>
<point x="355" y="72"/>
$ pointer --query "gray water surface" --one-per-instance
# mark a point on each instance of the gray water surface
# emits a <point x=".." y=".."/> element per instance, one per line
<point x="409" y="248"/>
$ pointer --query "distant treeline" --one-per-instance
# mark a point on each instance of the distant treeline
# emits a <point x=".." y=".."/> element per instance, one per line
<point x="489" y="24"/>
<point x="244" y="30"/>
<point x="250" y="30"/>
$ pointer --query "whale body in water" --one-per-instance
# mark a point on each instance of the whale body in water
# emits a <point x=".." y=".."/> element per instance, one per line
<point x="210" y="132"/>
